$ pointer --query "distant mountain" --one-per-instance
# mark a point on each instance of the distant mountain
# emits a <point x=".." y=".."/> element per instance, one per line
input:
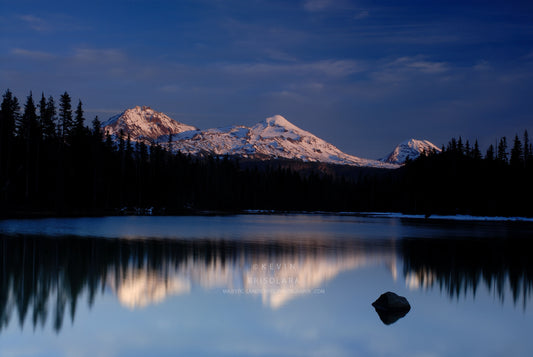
<point x="272" y="138"/>
<point x="144" y="124"/>
<point x="411" y="149"/>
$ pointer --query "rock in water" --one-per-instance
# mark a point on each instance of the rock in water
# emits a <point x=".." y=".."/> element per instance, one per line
<point x="391" y="307"/>
<point x="391" y="301"/>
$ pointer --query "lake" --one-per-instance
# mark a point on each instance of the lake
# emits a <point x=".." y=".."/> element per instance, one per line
<point x="263" y="285"/>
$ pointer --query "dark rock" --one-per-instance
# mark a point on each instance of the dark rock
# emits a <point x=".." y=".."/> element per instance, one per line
<point x="391" y="307"/>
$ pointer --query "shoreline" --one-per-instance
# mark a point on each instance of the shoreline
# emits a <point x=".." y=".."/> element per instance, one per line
<point x="192" y="212"/>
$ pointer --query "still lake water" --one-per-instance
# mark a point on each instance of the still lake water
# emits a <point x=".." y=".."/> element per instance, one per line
<point x="263" y="285"/>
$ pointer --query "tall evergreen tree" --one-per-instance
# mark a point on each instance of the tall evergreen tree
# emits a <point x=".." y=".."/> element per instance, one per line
<point x="65" y="116"/>
<point x="28" y="131"/>
<point x="517" y="153"/>
<point x="28" y="125"/>
<point x="46" y="117"/>
<point x="490" y="153"/>
<point x="502" y="155"/>
<point x="528" y="155"/>
<point x="42" y="109"/>
<point x="468" y="149"/>
<point x="79" y="120"/>
<point x="9" y="114"/>
<point x="49" y="120"/>
<point x="97" y="128"/>
<point x="452" y="145"/>
<point x="110" y="146"/>
<point x="476" y="153"/>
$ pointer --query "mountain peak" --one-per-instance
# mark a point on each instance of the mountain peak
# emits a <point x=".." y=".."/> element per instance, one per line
<point x="278" y="120"/>
<point x="414" y="143"/>
<point x="276" y="126"/>
<point x="411" y="148"/>
<point x="144" y="123"/>
<point x="141" y="109"/>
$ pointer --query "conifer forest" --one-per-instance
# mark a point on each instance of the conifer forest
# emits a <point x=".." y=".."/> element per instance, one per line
<point x="52" y="163"/>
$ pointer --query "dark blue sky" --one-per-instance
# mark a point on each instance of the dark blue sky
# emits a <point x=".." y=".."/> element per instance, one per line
<point x="363" y="75"/>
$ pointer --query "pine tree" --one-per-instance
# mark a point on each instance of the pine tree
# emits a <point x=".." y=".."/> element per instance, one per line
<point x="109" y="145"/>
<point x="527" y="150"/>
<point x="9" y="114"/>
<point x="452" y="145"/>
<point x="65" y="116"/>
<point x="476" y="153"/>
<point x="502" y="155"/>
<point x="468" y="151"/>
<point x="490" y="153"/>
<point x="42" y="109"/>
<point x="79" y="120"/>
<point x="47" y="112"/>
<point x="49" y="125"/>
<point x="28" y="128"/>
<point x="517" y="153"/>
<point x="97" y="128"/>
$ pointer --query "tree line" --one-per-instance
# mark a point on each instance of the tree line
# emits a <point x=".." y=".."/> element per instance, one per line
<point x="460" y="179"/>
<point x="51" y="163"/>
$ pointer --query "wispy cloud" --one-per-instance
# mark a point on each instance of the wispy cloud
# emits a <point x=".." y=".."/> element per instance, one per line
<point x="316" y="5"/>
<point x="35" y="23"/>
<point x="105" y="55"/>
<point x="419" y="64"/>
<point x="482" y="65"/>
<point x="363" y="14"/>
<point x="331" y="5"/>
<point x="279" y="55"/>
<point x="408" y="69"/>
<point x="31" y="54"/>
<point x="330" y="68"/>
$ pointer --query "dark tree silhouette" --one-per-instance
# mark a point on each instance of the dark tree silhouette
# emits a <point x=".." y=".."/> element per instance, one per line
<point x="65" y="116"/>
<point x="517" y="153"/>
<point x="502" y="155"/>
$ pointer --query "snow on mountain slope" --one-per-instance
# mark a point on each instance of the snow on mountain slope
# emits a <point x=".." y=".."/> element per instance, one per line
<point x="411" y="149"/>
<point x="274" y="137"/>
<point x="221" y="141"/>
<point x="144" y="123"/>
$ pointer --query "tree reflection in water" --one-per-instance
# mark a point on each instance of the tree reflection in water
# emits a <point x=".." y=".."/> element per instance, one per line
<point x="460" y="265"/>
<point x="43" y="272"/>
<point x="45" y="278"/>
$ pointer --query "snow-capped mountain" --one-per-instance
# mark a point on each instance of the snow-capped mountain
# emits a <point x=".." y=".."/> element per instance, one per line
<point x="144" y="123"/>
<point x="411" y="149"/>
<point x="274" y="137"/>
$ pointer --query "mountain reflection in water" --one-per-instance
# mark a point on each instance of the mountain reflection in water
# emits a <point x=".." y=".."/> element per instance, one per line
<point x="44" y="278"/>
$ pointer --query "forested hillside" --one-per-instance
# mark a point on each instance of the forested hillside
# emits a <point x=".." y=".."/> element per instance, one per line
<point x="52" y="164"/>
